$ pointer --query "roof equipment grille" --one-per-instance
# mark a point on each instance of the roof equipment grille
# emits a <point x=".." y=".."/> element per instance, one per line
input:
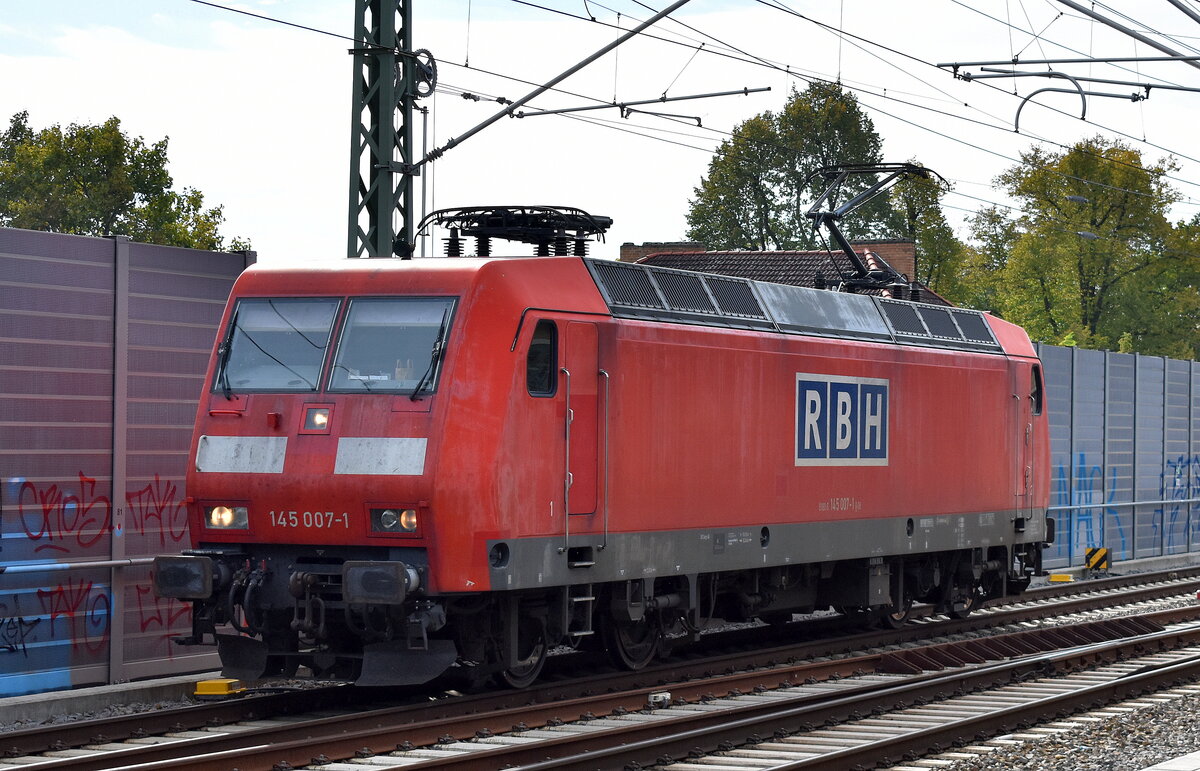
<point x="665" y="294"/>
<point x="642" y="291"/>
<point x="973" y="326"/>
<point x="735" y="297"/>
<point x="626" y="285"/>
<point x="940" y="323"/>
<point x="903" y="318"/>
<point x="685" y="292"/>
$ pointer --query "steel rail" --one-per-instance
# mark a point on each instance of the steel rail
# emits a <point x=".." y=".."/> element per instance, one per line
<point x="380" y="732"/>
<point x="44" y="738"/>
<point x="649" y="743"/>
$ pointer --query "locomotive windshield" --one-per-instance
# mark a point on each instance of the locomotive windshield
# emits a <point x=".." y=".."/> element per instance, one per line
<point x="276" y="344"/>
<point x="386" y="345"/>
<point x="391" y="344"/>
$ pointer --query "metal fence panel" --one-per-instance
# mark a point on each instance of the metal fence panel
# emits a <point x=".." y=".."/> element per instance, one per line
<point x="1119" y="452"/>
<point x="1148" y="448"/>
<point x="1087" y="450"/>
<point x="1057" y="369"/>
<point x="103" y="345"/>
<point x="1175" y="476"/>
<point x="1125" y="450"/>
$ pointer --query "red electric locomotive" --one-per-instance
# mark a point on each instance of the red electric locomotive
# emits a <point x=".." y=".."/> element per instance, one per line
<point x="402" y="466"/>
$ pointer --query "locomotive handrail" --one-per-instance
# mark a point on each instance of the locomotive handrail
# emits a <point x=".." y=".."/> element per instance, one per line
<point x="42" y="567"/>
<point x="1114" y="504"/>
<point x="567" y="456"/>
<point x="604" y="373"/>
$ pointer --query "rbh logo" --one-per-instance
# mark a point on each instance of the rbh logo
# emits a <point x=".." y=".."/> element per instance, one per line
<point x="841" y="421"/>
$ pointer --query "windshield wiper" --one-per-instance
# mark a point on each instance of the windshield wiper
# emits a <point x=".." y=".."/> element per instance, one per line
<point x="439" y="345"/>
<point x="223" y="351"/>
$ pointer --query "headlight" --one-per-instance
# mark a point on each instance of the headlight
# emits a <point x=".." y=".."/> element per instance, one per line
<point x="183" y="577"/>
<point x="316" y="420"/>
<point x="227" y="517"/>
<point x="394" y="520"/>
<point x="382" y="583"/>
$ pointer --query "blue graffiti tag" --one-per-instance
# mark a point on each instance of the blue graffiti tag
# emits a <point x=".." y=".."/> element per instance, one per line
<point x="1093" y="513"/>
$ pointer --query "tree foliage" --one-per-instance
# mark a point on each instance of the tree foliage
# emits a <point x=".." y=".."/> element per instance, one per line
<point x="941" y="256"/>
<point x="756" y="192"/>
<point x="760" y="186"/>
<point x="1094" y="258"/>
<point x="97" y="180"/>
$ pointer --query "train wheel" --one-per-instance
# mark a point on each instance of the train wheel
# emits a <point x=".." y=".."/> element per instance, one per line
<point x="895" y="616"/>
<point x="531" y="653"/>
<point x="965" y="602"/>
<point x="632" y="644"/>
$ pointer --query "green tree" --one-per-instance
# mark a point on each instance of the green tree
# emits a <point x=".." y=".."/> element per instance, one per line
<point x="825" y="126"/>
<point x="736" y="206"/>
<point x="985" y="259"/>
<point x="97" y="180"/>
<point x="941" y="257"/>
<point x="756" y="193"/>
<point x="1094" y="257"/>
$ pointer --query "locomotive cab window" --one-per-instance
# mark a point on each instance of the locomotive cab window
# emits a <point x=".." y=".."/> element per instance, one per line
<point x="1035" y="389"/>
<point x="541" y="363"/>
<point x="275" y="344"/>
<point x="392" y="345"/>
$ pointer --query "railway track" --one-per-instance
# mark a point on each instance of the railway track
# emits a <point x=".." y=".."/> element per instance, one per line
<point x="490" y="730"/>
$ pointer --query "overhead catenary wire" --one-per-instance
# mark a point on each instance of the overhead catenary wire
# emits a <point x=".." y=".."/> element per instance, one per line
<point x="1126" y="30"/>
<point x="789" y="72"/>
<point x="780" y="6"/>
<point x="455" y="141"/>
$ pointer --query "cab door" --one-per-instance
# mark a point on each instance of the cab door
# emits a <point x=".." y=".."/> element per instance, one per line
<point x="1029" y="400"/>
<point x="579" y="391"/>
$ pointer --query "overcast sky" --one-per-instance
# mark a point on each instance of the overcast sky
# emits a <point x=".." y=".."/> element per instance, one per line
<point x="259" y="114"/>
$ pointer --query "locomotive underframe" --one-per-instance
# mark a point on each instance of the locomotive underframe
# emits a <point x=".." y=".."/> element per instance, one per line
<point x="364" y="613"/>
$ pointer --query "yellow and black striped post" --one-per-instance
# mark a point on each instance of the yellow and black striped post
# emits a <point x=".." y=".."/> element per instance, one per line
<point x="1098" y="560"/>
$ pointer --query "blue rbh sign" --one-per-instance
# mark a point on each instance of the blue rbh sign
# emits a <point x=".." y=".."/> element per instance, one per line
<point x="841" y="421"/>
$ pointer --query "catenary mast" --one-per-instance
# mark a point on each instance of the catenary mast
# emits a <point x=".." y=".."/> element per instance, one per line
<point x="385" y="88"/>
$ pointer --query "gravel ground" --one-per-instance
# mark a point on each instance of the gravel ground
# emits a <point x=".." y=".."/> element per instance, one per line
<point x="114" y="710"/>
<point x="138" y="707"/>
<point x="1126" y="742"/>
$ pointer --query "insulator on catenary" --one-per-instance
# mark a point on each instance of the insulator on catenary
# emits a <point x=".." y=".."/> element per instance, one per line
<point x="454" y="244"/>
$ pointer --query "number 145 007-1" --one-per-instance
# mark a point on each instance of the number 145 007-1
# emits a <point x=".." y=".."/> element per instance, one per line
<point x="310" y="519"/>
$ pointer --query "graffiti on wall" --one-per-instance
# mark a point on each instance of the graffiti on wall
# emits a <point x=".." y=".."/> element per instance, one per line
<point x="73" y="611"/>
<point x="160" y="503"/>
<point x="1081" y="486"/>
<point x="15" y="628"/>
<point x="1177" y="484"/>
<point x="160" y="616"/>
<point x="82" y="607"/>
<point x="49" y="618"/>
<point x="61" y="520"/>
<point x="1097" y="519"/>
